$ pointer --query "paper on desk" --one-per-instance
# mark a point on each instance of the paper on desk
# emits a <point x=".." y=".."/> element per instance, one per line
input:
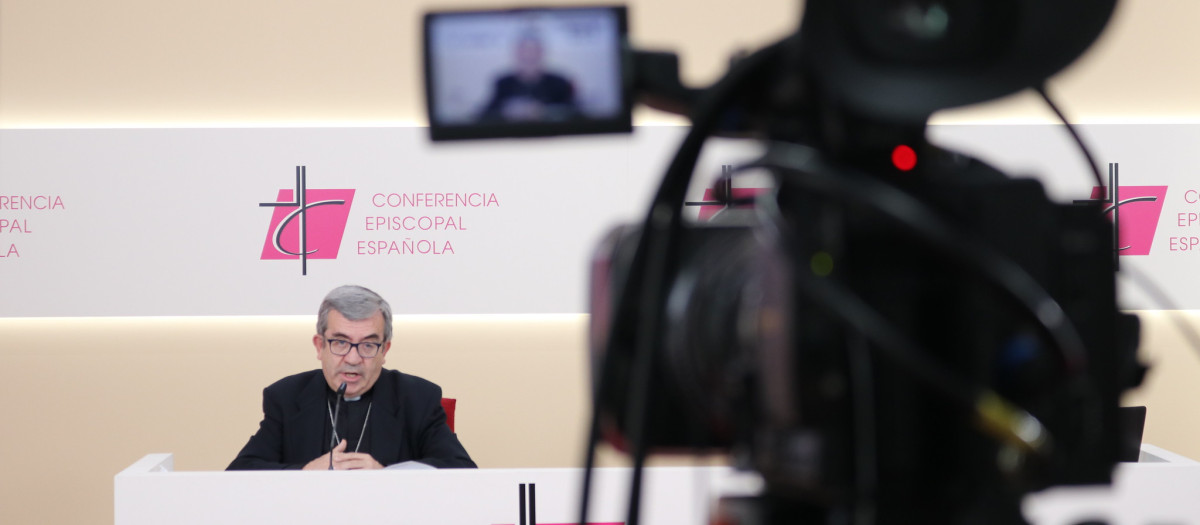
<point x="409" y="465"/>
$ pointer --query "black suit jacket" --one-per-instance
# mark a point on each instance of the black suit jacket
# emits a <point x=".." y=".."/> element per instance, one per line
<point x="551" y="89"/>
<point x="407" y="423"/>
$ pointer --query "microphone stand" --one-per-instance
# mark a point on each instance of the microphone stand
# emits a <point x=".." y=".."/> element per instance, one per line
<point x="336" y="412"/>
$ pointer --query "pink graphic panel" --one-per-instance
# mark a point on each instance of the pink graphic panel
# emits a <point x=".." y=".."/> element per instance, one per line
<point x="327" y="212"/>
<point x="1140" y="208"/>
<point x="736" y="194"/>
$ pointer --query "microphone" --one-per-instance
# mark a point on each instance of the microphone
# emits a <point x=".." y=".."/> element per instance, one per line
<point x="337" y="408"/>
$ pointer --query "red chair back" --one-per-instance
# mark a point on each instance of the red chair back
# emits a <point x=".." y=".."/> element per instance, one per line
<point x="448" y="405"/>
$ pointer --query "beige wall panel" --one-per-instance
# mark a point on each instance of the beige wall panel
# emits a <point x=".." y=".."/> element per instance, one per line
<point x="1172" y="386"/>
<point x="189" y="62"/>
<point x="211" y="62"/>
<point x="87" y="397"/>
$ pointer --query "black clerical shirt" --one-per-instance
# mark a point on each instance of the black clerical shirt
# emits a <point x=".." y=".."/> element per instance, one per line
<point x="351" y="422"/>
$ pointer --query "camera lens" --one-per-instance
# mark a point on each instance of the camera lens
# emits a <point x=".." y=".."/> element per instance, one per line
<point x="932" y="32"/>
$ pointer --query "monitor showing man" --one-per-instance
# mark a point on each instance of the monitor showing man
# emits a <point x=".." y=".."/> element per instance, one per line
<point x="384" y="417"/>
<point x="529" y="92"/>
<point x="526" y="72"/>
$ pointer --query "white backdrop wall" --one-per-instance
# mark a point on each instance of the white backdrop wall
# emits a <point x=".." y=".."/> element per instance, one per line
<point x="172" y="222"/>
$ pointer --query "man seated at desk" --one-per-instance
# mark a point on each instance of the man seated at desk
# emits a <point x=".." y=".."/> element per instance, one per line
<point x="530" y="93"/>
<point x="386" y="417"/>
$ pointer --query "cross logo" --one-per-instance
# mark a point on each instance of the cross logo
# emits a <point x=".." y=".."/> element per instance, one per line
<point x="306" y="224"/>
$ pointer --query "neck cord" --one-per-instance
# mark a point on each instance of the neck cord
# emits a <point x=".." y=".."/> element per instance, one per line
<point x="362" y="433"/>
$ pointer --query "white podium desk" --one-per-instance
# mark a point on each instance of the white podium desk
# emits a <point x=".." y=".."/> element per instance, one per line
<point x="1163" y="489"/>
<point x="148" y="492"/>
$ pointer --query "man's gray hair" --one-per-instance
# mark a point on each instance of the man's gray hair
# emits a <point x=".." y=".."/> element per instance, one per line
<point x="355" y="303"/>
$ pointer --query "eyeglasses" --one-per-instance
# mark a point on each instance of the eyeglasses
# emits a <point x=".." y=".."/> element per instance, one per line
<point x="366" y="349"/>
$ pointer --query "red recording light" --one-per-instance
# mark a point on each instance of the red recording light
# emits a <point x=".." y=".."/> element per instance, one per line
<point x="904" y="158"/>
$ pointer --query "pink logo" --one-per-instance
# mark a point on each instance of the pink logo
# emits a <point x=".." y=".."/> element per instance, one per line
<point x="737" y="198"/>
<point x="723" y="195"/>
<point x="307" y="224"/>
<point x="1136" y="215"/>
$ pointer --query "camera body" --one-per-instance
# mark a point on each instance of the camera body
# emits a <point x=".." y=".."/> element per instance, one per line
<point x="891" y="333"/>
<point x="754" y="358"/>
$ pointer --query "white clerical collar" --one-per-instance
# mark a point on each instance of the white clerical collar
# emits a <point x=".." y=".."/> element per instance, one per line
<point x="356" y="398"/>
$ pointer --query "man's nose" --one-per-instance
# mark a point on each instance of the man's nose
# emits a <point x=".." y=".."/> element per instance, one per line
<point x="353" y="356"/>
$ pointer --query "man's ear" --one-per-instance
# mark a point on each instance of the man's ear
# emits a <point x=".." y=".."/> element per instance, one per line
<point x="383" y="352"/>
<point x="318" y="342"/>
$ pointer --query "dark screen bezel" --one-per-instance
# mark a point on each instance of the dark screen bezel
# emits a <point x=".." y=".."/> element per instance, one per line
<point x="622" y="123"/>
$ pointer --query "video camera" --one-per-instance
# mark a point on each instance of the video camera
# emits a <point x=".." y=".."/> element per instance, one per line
<point x="891" y="332"/>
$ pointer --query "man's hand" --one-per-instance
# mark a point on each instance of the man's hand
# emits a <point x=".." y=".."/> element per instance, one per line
<point x="354" y="461"/>
<point x="322" y="461"/>
<point x="343" y="460"/>
<point x="523" y="109"/>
